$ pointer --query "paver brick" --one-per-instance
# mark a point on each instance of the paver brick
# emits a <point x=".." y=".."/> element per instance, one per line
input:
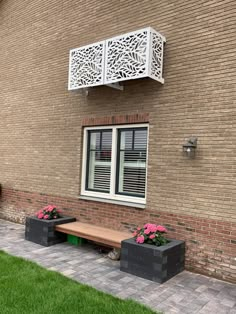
<point x="186" y="293"/>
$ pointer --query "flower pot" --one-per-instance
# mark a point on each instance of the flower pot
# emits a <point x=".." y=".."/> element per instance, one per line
<point x="156" y="263"/>
<point x="42" y="231"/>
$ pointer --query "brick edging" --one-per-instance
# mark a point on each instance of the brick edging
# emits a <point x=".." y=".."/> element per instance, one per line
<point x="119" y="119"/>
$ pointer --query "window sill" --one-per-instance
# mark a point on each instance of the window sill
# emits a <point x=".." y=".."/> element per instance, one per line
<point x="104" y="200"/>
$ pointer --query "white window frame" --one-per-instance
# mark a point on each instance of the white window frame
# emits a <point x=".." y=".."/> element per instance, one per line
<point x="112" y="195"/>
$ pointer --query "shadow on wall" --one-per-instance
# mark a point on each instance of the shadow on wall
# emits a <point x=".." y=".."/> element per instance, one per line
<point x="131" y="98"/>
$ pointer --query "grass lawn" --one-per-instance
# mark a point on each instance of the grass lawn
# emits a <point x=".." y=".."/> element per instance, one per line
<point x="26" y="288"/>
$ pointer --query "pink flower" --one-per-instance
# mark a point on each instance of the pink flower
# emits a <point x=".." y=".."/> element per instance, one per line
<point x="54" y="217"/>
<point x="135" y="233"/>
<point x="140" y="239"/>
<point x="152" y="236"/>
<point x="147" y="231"/>
<point x="161" y="229"/>
<point x="50" y="208"/>
<point x="151" y="227"/>
<point x="138" y="229"/>
<point x="40" y="215"/>
<point x="46" y="217"/>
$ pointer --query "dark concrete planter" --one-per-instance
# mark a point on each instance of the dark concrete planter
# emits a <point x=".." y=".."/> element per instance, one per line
<point x="42" y="231"/>
<point x="156" y="263"/>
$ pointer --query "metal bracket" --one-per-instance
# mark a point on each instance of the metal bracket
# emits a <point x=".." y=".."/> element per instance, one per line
<point x="116" y="86"/>
<point x="83" y="91"/>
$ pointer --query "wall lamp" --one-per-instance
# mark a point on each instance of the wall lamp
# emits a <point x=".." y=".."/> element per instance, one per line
<point x="190" y="147"/>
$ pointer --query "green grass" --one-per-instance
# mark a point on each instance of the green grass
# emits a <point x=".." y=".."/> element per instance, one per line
<point x="26" y="288"/>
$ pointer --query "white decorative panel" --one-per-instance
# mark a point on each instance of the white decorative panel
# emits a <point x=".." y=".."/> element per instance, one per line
<point x="125" y="57"/>
<point x="156" y="56"/>
<point x="86" y="66"/>
<point x="134" y="55"/>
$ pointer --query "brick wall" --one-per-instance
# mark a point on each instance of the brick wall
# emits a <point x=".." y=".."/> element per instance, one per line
<point x="41" y="122"/>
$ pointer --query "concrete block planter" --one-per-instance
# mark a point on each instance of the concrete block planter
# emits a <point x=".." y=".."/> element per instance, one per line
<point x="42" y="231"/>
<point x="156" y="263"/>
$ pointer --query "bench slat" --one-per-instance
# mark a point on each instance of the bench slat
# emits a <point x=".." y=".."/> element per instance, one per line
<point x="98" y="234"/>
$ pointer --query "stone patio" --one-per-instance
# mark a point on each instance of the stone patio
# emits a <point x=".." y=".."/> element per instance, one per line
<point x="185" y="293"/>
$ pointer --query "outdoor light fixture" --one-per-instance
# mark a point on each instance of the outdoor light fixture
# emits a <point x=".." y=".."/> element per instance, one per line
<point x="190" y="147"/>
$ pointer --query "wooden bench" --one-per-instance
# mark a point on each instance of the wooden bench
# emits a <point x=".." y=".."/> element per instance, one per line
<point x="94" y="233"/>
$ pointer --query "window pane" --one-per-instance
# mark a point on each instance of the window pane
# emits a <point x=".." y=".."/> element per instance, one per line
<point x="106" y="141"/>
<point x="132" y="150"/>
<point x="126" y="139"/>
<point x="140" y="139"/>
<point x="95" y="140"/>
<point x="99" y="160"/>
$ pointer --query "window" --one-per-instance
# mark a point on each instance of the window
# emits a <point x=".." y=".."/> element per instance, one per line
<point x="99" y="161"/>
<point x="114" y="162"/>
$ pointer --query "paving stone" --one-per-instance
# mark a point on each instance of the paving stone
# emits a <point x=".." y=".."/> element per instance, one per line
<point x="68" y="272"/>
<point x="201" y="288"/>
<point x="214" y="307"/>
<point x="210" y="293"/>
<point x="228" y="303"/>
<point x="126" y="279"/>
<point x="175" y="298"/>
<point x="186" y="293"/>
